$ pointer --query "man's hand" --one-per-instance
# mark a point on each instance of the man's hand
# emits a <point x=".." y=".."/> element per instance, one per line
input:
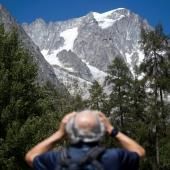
<point x="124" y="140"/>
<point x="64" y="121"/>
<point x="106" y="122"/>
<point x="50" y="142"/>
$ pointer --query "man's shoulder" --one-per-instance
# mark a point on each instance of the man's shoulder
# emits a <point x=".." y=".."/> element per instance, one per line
<point x="47" y="159"/>
<point x="121" y="153"/>
<point x="120" y="159"/>
<point x="114" y="151"/>
<point x="108" y="152"/>
<point x="111" y="156"/>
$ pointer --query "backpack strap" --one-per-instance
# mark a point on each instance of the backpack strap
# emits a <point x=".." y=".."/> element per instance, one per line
<point x="66" y="162"/>
<point x="91" y="157"/>
<point x="95" y="154"/>
<point x="64" y="158"/>
<point x="92" y="154"/>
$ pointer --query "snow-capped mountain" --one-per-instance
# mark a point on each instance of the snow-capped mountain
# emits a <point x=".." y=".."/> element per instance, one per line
<point x="81" y="49"/>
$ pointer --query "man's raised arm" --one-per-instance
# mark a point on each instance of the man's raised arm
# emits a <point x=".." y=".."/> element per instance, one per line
<point x="126" y="142"/>
<point x="48" y="143"/>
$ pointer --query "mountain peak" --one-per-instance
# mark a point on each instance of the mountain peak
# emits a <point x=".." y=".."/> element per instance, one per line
<point x="1" y="7"/>
<point x="40" y="20"/>
<point x="113" y="10"/>
<point x="4" y="11"/>
<point x="108" y="18"/>
<point x="6" y="19"/>
<point x="109" y="13"/>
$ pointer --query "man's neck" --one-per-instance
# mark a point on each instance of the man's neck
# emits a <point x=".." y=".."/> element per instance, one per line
<point x="85" y="144"/>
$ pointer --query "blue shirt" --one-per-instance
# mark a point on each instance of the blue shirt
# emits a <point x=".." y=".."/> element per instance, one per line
<point x="112" y="159"/>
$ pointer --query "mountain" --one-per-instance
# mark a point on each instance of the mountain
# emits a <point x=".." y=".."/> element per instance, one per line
<point x="45" y="70"/>
<point x="81" y="49"/>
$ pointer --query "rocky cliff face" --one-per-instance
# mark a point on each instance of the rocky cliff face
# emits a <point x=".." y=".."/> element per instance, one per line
<point x="81" y="49"/>
<point x="45" y="70"/>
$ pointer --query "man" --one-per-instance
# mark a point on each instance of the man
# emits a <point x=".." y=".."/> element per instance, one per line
<point x="85" y="130"/>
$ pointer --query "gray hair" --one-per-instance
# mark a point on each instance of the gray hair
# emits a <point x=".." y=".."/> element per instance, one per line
<point x="77" y="134"/>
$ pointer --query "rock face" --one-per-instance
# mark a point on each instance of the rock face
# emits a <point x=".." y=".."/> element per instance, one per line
<point x="75" y="65"/>
<point x="84" y="47"/>
<point x="45" y="70"/>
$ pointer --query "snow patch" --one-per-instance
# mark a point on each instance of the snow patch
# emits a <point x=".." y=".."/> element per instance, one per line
<point x="128" y="57"/>
<point x="103" y="19"/>
<point x="69" y="36"/>
<point x="106" y="24"/>
<point x="96" y="73"/>
<point x="75" y="85"/>
<point x="53" y="60"/>
<point x="141" y="56"/>
<point x="141" y="76"/>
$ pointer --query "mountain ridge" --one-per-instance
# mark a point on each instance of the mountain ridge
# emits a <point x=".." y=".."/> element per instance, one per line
<point x="45" y="70"/>
<point x="96" y="39"/>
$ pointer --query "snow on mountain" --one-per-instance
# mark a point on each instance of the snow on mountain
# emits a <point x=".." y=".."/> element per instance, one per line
<point x="103" y="19"/>
<point x="97" y="74"/>
<point x="51" y="57"/>
<point x="81" y="49"/>
<point x="45" y="70"/>
<point x="132" y="60"/>
<point x="73" y="83"/>
<point x="69" y="36"/>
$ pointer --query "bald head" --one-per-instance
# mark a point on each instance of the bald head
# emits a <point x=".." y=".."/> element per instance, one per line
<point x="85" y="126"/>
<point x="87" y="120"/>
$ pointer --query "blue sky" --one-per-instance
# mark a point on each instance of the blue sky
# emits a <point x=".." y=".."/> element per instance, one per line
<point x="155" y="11"/>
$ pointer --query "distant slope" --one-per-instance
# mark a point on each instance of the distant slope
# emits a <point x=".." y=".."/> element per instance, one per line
<point x="45" y="70"/>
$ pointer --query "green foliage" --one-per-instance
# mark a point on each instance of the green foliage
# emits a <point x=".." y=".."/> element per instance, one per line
<point x="17" y="81"/>
<point x="97" y="99"/>
<point x="18" y="96"/>
<point x="120" y="80"/>
<point x="157" y="78"/>
<point x="29" y="112"/>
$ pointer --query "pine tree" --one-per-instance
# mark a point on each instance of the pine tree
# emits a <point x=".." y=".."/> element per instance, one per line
<point x="120" y="81"/>
<point x="156" y="70"/>
<point x="17" y="80"/>
<point x="137" y="104"/>
<point x="138" y="96"/>
<point x="18" y="94"/>
<point x="97" y="99"/>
